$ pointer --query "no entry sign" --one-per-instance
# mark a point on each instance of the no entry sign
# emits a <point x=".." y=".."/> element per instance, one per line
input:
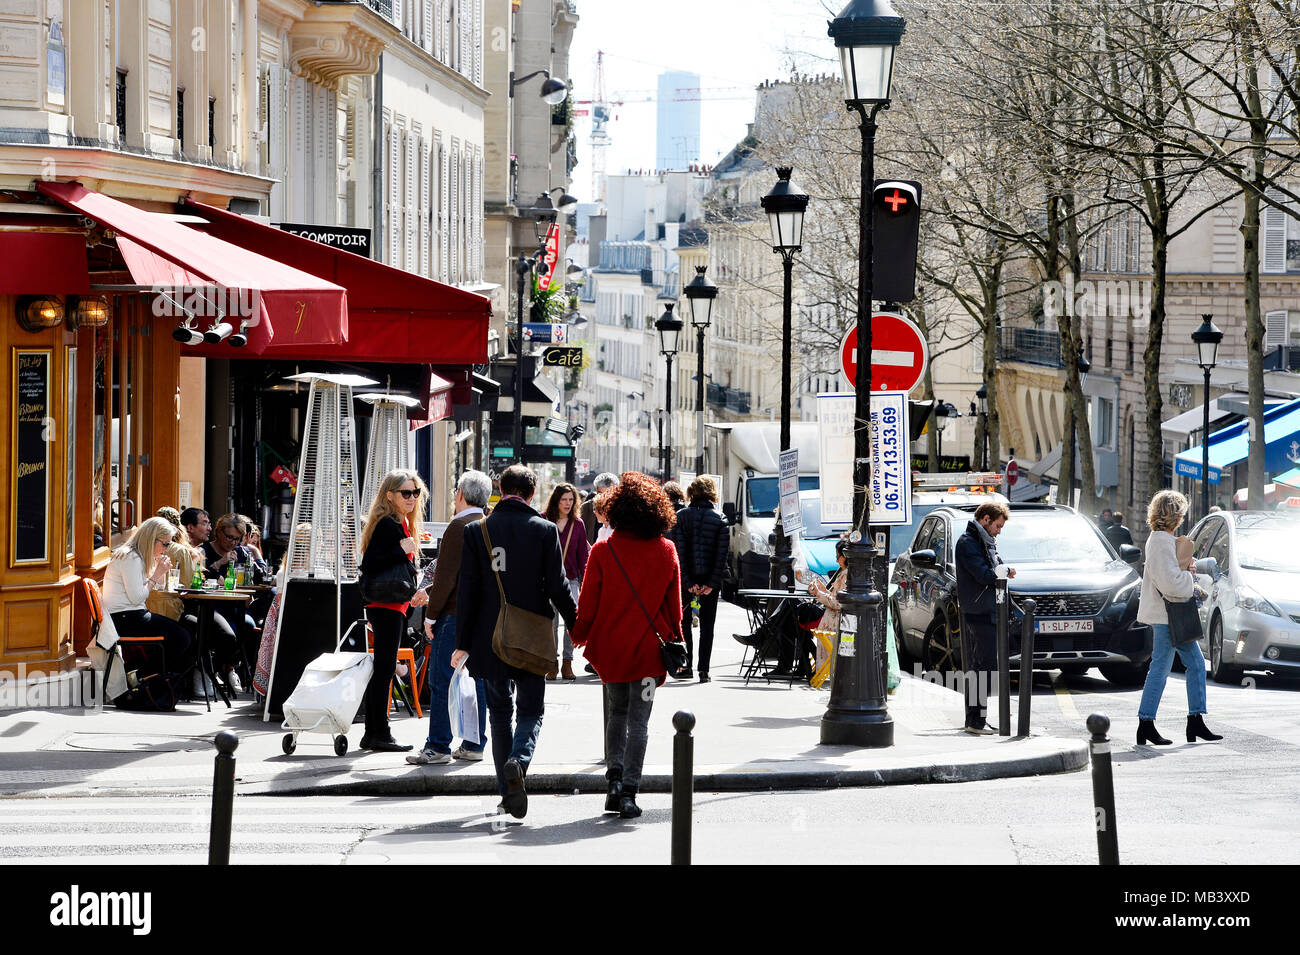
<point x="898" y="353"/>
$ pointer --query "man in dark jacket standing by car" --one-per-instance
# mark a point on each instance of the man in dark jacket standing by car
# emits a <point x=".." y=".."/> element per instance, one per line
<point x="700" y="536"/>
<point x="525" y="552"/>
<point x="978" y="570"/>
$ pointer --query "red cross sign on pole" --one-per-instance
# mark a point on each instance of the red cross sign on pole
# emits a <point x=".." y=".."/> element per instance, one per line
<point x="898" y="353"/>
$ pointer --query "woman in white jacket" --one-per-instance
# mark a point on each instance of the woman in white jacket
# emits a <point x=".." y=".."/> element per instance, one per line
<point x="1163" y="579"/>
<point x="138" y="567"/>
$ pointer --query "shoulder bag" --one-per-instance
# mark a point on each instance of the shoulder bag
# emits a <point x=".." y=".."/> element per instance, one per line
<point x="1184" y="621"/>
<point x="392" y="585"/>
<point x="522" y="639"/>
<point x="672" y="655"/>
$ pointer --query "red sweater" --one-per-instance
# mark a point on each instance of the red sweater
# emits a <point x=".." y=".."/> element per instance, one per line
<point x="619" y="641"/>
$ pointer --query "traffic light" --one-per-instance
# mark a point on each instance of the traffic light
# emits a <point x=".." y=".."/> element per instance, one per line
<point x="896" y="214"/>
<point x="918" y="417"/>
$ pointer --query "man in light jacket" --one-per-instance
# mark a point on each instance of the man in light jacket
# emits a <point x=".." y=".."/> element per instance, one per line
<point x="978" y="570"/>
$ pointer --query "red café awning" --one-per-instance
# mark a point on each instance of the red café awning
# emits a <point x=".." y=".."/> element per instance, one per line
<point x="290" y="309"/>
<point x="43" y="263"/>
<point x="394" y="316"/>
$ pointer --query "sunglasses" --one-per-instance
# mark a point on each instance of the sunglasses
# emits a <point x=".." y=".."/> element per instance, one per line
<point x="408" y="493"/>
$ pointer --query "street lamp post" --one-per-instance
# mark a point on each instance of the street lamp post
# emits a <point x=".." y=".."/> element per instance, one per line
<point x="670" y="331"/>
<point x="785" y="206"/>
<point x="700" y="294"/>
<point x="982" y="396"/>
<point x="543" y="215"/>
<point x="866" y="33"/>
<point x="1207" y="339"/>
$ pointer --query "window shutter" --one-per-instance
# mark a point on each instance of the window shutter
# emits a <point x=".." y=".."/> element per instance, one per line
<point x="426" y="40"/>
<point x="454" y="237"/>
<point x="264" y="117"/>
<point x="465" y="59"/>
<point x="1273" y="236"/>
<point x="422" y="220"/>
<point x="444" y="214"/>
<point x="1276" y="329"/>
<point x="477" y="75"/>
<point x="409" y="202"/>
<point x="478" y="214"/>
<point x="397" y="14"/>
<point x="394" y="195"/>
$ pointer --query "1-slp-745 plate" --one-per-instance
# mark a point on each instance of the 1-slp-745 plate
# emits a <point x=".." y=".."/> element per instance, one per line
<point x="1062" y="626"/>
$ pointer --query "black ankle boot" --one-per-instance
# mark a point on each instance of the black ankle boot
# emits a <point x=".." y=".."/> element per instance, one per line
<point x="1196" y="729"/>
<point x="614" y="795"/>
<point x="1147" y="733"/>
<point x="627" y="807"/>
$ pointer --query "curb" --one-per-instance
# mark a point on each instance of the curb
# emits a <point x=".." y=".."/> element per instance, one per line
<point x="1070" y="759"/>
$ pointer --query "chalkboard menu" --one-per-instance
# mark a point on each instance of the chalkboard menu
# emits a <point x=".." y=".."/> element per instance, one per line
<point x="32" y="435"/>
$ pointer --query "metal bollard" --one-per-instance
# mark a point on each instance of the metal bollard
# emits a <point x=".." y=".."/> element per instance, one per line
<point x="1103" y="791"/>
<point x="683" y="785"/>
<point x="1004" y="660"/>
<point x="1026" y="667"/>
<point x="223" y="798"/>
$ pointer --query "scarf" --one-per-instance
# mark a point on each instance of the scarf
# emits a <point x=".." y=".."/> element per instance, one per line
<point x="990" y="545"/>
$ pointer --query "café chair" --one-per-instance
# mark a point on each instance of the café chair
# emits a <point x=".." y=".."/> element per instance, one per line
<point x="95" y="603"/>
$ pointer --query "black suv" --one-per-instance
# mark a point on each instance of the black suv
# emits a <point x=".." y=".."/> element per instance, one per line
<point x="1086" y="594"/>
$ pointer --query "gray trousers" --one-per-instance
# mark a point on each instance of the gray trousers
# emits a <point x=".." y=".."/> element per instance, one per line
<point x="628" y="730"/>
<point x="555" y="626"/>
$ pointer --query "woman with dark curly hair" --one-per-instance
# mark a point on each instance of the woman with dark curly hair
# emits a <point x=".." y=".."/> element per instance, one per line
<point x="631" y="601"/>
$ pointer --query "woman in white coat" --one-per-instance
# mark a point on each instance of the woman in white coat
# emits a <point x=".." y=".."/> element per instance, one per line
<point x="1163" y="579"/>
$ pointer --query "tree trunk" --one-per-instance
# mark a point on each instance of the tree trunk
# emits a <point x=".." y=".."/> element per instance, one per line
<point x="993" y="422"/>
<point x="1065" y="470"/>
<point x="1250" y="254"/>
<point x="927" y="391"/>
<point x="1155" y="471"/>
<point x="1074" y="392"/>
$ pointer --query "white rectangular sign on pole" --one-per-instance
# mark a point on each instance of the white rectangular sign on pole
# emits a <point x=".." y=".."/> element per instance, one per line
<point x="891" y="462"/>
<point x="791" y="516"/>
<point x="891" y="491"/>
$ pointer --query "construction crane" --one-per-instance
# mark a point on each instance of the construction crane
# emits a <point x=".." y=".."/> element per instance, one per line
<point x="602" y="112"/>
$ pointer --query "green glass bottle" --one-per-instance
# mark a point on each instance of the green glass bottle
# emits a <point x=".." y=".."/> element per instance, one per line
<point x="230" y="575"/>
<point x="196" y="582"/>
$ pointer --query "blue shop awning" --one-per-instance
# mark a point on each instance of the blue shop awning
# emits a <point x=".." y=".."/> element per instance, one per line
<point x="1229" y="446"/>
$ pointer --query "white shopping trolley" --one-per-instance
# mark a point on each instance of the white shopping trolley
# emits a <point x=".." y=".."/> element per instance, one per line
<point x="327" y="696"/>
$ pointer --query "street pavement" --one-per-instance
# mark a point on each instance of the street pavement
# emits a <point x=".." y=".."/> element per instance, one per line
<point x="755" y="737"/>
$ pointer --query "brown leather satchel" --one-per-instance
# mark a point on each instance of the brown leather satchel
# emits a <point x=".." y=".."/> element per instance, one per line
<point x="522" y="639"/>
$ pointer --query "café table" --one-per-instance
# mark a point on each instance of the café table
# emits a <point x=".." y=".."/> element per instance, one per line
<point x="207" y="602"/>
<point x="764" y="607"/>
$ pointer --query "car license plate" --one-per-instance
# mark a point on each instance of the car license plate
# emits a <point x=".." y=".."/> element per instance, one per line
<point x="1062" y="626"/>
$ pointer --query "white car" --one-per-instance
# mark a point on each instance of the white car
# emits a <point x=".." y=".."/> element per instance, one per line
<point x="1251" y="618"/>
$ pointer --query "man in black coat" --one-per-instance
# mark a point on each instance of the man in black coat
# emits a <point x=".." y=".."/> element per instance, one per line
<point x="526" y="555"/>
<point x="978" y="570"/>
<point x="1116" y="532"/>
<point x="700" y="536"/>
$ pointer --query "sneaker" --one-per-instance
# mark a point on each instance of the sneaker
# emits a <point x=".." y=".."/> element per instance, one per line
<point x="471" y="755"/>
<point x="232" y="681"/>
<point x="980" y="730"/>
<point x="428" y="757"/>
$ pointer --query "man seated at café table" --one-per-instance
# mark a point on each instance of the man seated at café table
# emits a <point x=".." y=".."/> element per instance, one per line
<point x="197" y="526"/>
<point x="218" y="553"/>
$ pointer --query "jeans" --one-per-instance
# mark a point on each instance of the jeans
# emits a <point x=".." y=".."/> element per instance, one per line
<point x="574" y="586"/>
<point x="979" y="639"/>
<point x="388" y="626"/>
<point x="708" y="614"/>
<point x="179" y="646"/>
<point x="1162" y="658"/>
<point x="520" y="741"/>
<point x="628" y="730"/>
<point x="439" y="680"/>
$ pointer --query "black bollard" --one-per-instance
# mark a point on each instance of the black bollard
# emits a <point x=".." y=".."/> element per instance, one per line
<point x="223" y="798"/>
<point x="1004" y="660"/>
<point x="1103" y="791"/>
<point x="1026" y="667"/>
<point x="683" y="785"/>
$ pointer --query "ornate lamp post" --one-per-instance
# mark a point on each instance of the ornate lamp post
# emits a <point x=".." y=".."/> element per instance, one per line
<point x="670" y="332"/>
<point x="543" y="215"/>
<point x="1207" y="339"/>
<point x="785" y="206"/>
<point x="700" y="294"/>
<point x="866" y="33"/>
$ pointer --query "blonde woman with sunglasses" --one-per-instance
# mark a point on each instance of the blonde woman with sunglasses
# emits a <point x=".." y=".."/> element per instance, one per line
<point x="390" y="535"/>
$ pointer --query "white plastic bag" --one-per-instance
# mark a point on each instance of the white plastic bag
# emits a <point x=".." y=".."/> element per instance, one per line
<point x="462" y="706"/>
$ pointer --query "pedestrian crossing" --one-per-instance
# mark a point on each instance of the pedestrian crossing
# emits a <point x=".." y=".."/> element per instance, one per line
<point x="173" y="830"/>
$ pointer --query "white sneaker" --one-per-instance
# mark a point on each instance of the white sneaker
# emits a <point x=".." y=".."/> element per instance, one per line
<point x="428" y="757"/>
<point x="232" y="680"/>
<point x="470" y="755"/>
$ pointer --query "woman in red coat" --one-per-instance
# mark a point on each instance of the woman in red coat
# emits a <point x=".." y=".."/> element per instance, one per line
<point x="632" y="578"/>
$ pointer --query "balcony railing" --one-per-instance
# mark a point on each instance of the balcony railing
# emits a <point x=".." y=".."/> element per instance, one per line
<point x="1033" y="346"/>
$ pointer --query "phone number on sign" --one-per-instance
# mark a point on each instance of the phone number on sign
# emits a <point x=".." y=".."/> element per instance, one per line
<point x="888" y="455"/>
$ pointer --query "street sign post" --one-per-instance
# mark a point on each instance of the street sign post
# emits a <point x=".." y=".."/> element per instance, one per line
<point x="891" y="471"/>
<point x="1013" y="473"/>
<point x="898" y="353"/>
<point x="791" y="516"/>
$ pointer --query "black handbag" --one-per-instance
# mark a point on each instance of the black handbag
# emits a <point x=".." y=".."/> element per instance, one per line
<point x="393" y="585"/>
<point x="1184" y="621"/>
<point x="671" y="654"/>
